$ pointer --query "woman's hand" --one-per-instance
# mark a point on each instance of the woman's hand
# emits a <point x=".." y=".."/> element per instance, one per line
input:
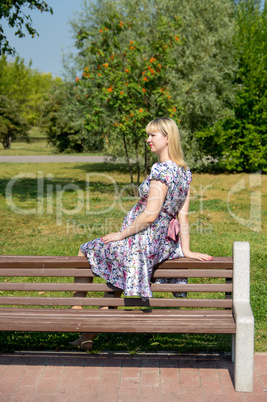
<point x="115" y="236"/>
<point x="198" y="256"/>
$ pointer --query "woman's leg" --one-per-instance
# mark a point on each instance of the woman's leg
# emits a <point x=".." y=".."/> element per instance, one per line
<point x="85" y="341"/>
<point x="81" y="280"/>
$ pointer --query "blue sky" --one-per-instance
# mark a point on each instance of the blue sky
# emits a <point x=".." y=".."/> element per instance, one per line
<point x="55" y="32"/>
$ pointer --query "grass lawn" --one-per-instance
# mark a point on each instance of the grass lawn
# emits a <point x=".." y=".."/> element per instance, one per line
<point x="37" y="146"/>
<point x="51" y="211"/>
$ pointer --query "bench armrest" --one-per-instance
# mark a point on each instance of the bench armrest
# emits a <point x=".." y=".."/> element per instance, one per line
<point x="243" y="313"/>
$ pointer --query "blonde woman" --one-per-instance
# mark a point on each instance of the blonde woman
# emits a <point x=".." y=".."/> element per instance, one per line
<point x="150" y="231"/>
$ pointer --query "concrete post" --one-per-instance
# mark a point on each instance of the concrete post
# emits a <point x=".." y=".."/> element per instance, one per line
<point x="244" y="339"/>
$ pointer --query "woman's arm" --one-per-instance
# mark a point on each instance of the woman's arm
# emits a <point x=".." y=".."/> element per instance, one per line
<point x="156" y="197"/>
<point x="185" y="233"/>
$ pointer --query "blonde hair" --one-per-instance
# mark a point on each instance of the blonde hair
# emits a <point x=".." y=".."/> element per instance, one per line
<point x="167" y="127"/>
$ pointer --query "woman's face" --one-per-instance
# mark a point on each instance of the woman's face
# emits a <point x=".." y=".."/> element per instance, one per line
<point x="157" y="142"/>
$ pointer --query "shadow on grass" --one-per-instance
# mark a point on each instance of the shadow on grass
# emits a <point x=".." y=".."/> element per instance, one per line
<point x="131" y="343"/>
<point x="26" y="187"/>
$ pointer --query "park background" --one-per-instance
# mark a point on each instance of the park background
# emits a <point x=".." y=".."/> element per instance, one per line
<point x="204" y="64"/>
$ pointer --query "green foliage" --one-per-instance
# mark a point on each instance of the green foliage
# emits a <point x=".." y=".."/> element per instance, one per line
<point x="239" y="142"/>
<point x="10" y="10"/>
<point x="26" y="88"/>
<point x="60" y="120"/>
<point x="11" y="124"/>
<point x="125" y="82"/>
<point x="197" y="69"/>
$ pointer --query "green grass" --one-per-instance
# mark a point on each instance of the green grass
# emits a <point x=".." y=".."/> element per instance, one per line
<point x="215" y="218"/>
<point x="37" y="145"/>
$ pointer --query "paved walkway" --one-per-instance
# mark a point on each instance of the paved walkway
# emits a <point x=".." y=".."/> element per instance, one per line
<point x="119" y="377"/>
<point x="51" y="158"/>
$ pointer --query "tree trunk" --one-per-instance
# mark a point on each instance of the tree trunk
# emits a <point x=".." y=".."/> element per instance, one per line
<point x="129" y="164"/>
<point x="137" y="163"/>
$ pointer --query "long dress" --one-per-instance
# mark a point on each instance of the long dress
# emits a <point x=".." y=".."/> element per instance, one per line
<point x="127" y="264"/>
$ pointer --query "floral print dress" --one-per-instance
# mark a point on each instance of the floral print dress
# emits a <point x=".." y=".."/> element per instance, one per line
<point x="128" y="263"/>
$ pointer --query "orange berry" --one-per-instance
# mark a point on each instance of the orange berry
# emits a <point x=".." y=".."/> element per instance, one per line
<point x="145" y="79"/>
<point x="121" y="92"/>
<point x="176" y="38"/>
<point x="126" y="70"/>
<point x="77" y="79"/>
<point x="143" y="90"/>
<point x="141" y="110"/>
<point x="100" y="30"/>
<point x="110" y="89"/>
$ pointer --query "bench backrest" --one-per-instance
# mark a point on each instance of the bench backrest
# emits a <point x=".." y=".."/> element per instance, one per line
<point x="48" y="281"/>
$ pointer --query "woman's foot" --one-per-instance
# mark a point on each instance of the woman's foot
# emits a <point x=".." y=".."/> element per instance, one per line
<point x="84" y="342"/>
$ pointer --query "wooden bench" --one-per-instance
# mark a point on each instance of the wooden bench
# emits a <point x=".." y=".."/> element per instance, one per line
<point x="225" y="311"/>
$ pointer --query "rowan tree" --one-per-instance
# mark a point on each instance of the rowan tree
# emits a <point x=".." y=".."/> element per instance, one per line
<point x="197" y="70"/>
<point x="126" y="83"/>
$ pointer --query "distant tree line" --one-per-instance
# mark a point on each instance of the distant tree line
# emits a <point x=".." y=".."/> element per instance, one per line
<point x="201" y="62"/>
<point x="22" y="94"/>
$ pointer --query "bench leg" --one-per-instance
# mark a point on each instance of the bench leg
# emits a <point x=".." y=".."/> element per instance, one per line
<point x="233" y="348"/>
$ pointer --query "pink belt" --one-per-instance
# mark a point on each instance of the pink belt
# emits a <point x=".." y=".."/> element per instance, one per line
<point x="174" y="226"/>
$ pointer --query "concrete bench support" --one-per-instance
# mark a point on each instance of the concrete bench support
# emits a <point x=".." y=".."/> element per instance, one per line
<point x="243" y="340"/>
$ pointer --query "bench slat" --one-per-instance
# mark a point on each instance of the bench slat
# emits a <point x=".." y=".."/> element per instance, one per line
<point x="121" y="302"/>
<point x="157" y="273"/>
<point x="47" y="272"/>
<point x="160" y="321"/>
<point x="103" y="287"/>
<point x="192" y="273"/>
<point x="81" y="262"/>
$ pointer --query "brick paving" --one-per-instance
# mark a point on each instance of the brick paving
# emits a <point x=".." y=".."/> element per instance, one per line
<point x="119" y="377"/>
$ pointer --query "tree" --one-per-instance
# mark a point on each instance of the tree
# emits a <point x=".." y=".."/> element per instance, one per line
<point x="239" y="142"/>
<point x="26" y="88"/>
<point x="11" y="10"/>
<point x="126" y="84"/>
<point x="197" y="70"/>
<point x="61" y="120"/>
<point x="11" y="123"/>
